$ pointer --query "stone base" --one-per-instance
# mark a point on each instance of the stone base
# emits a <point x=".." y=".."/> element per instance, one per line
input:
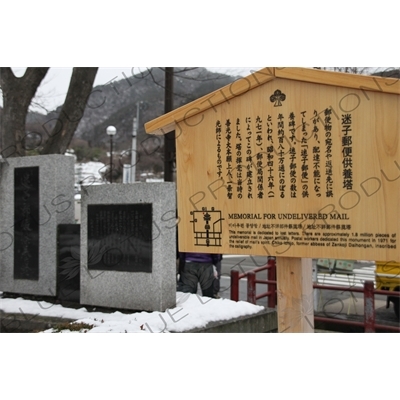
<point x="43" y="189"/>
<point x="109" y="278"/>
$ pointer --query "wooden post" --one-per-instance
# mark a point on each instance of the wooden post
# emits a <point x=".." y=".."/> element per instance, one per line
<point x="295" y="295"/>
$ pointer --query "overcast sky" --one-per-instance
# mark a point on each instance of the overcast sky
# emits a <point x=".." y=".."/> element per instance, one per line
<point x="53" y="89"/>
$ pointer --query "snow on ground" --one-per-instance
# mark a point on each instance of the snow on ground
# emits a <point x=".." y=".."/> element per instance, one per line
<point x="191" y="311"/>
<point x="126" y="366"/>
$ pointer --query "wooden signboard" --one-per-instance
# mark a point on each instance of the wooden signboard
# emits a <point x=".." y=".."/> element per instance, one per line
<point x="293" y="163"/>
<point x="290" y="162"/>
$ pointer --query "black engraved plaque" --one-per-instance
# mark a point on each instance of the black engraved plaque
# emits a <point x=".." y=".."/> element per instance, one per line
<point x="26" y="227"/>
<point x="120" y="237"/>
<point x="69" y="259"/>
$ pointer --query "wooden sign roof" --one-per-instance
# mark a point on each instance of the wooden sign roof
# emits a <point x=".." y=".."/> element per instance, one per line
<point x="167" y="122"/>
<point x="290" y="162"/>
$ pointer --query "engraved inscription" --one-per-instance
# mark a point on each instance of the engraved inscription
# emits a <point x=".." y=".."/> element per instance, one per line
<point x="120" y="237"/>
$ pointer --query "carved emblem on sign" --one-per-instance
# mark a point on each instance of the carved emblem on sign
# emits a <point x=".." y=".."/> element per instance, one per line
<point x="277" y="98"/>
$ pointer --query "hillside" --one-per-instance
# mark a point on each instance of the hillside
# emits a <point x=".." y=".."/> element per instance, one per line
<point x="116" y="104"/>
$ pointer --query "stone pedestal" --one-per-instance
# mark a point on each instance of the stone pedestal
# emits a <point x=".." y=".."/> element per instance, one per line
<point x="37" y="194"/>
<point x="128" y="246"/>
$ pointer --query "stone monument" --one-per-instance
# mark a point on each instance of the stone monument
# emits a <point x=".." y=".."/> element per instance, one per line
<point x="128" y="246"/>
<point x="37" y="194"/>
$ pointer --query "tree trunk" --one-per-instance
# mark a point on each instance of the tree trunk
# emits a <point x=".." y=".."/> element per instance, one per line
<point x="72" y="111"/>
<point x="17" y="96"/>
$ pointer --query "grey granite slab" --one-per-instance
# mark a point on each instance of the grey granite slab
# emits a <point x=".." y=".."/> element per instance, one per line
<point x="116" y="284"/>
<point x="28" y="236"/>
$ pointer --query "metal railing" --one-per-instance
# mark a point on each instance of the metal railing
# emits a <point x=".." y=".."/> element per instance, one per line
<point x="252" y="280"/>
<point x="369" y="323"/>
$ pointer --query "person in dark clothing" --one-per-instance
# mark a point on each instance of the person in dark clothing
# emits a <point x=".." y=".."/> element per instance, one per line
<point x="217" y="282"/>
<point x="197" y="268"/>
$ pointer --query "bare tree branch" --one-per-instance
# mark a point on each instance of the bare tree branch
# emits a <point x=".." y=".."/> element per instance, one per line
<point x="79" y="90"/>
<point x="17" y="96"/>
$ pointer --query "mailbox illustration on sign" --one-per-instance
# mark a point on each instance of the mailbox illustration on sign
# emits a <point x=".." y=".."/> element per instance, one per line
<point x="207" y="227"/>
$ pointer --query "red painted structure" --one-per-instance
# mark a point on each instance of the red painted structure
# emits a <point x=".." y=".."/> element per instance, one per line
<point x="368" y="290"/>
<point x="252" y="297"/>
<point x="369" y="324"/>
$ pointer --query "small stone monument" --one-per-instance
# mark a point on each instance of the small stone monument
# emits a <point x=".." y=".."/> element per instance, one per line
<point x="69" y="260"/>
<point x="128" y="246"/>
<point x="37" y="194"/>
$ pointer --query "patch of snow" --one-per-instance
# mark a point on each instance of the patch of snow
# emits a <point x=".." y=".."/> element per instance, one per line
<point x="192" y="311"/>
